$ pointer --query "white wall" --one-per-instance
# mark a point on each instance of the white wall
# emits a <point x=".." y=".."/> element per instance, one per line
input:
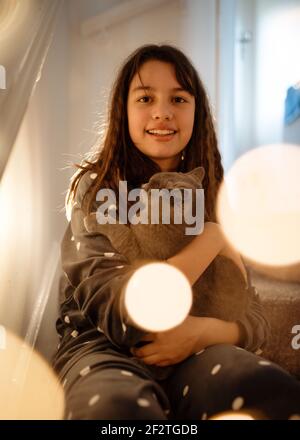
<point x="198" y="38"/>
<point x="277" y="64"/>
<point x="244" y="68"/>
<point x="252" y="88"/>
<point x="226" y="80"/>
<point x="189" y="24"/>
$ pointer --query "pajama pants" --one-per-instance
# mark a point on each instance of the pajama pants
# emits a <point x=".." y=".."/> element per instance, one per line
<point x="221" y="378"/>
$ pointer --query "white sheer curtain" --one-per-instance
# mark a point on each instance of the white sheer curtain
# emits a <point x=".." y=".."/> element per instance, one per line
<point x="26" y="29"/>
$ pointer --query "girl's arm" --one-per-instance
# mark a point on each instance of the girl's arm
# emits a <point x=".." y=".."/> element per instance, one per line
<point x="252" y="331"/>
<point x="215" y="331"/>
<point x="189" y="337"/>
<point x="196" y="333"/>
<point x="194" y="258"/>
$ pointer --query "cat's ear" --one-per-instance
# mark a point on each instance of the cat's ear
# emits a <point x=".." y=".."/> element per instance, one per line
<point x="198" y="172"/>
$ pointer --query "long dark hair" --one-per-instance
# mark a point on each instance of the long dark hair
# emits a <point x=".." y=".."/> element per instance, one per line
<point x="119" y="159"/>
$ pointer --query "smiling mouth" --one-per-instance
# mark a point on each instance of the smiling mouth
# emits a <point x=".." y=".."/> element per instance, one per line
<point x="161" y="133"/>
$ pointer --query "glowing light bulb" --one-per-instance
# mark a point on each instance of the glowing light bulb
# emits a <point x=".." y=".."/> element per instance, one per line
<point x="29" y="388"/>
<point x="158" y="297"/>
<point x="232" y="415"/>
<point x="259" y="205"/>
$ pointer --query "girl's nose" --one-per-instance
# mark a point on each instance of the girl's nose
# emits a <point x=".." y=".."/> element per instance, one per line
<point x="162" y="112"/>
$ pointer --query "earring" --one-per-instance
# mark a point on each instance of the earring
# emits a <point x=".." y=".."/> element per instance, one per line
<point x="183" y="155"/>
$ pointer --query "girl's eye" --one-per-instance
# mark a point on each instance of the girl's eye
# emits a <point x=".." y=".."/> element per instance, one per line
<point x="180" y="99"/>
<point x="144" y="98"/>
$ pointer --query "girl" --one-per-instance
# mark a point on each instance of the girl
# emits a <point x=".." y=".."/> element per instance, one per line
<point x="159" y="120"/>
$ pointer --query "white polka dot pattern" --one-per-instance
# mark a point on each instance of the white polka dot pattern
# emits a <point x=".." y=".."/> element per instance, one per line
<point x="94" y="400"/>
<point x="199" y="352"/>
<point x="143" y="402"/>
<point x="78" y="246"/>
<point x="264" y="363"/>
<point x="109" y="254"/>
<point x="67" y="319"/>
<point x="216" y="369"/>
<point x="74" y="333"/>
<point x="85" y="371"/>
<point x="126" y="373"/>
<point x="237" y="403"/>
<point x="93" y="176"/>
<point x="185" y="390"/>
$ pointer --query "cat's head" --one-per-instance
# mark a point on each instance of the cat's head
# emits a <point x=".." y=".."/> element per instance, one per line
<point x="172" y="179"/>
<point x="185" y="197"/>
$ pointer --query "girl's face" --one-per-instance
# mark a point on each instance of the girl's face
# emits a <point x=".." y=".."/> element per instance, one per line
<point x="161" y="104"/>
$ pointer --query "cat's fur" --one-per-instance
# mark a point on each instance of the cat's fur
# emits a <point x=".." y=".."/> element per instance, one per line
<point x="219" y="292"/>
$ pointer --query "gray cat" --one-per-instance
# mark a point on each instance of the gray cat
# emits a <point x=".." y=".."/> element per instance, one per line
<point x="220" y="292"/>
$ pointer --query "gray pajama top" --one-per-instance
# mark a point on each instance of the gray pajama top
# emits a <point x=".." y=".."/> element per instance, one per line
<point x="91" y="296"/>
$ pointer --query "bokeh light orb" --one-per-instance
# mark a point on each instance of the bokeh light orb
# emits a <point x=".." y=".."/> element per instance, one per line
<point x="158" y="297"/>
<point x="258" y="204"/>
<point x="232" y="415"/>
<point x="29" y="388"/>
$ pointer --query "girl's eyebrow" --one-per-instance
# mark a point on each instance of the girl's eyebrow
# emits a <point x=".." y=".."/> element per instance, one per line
<point x="175" y="89"/>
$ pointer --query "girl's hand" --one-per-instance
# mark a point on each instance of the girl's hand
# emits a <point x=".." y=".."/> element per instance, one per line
<point x="192" y="335"/>
<point x="175" y="345"/>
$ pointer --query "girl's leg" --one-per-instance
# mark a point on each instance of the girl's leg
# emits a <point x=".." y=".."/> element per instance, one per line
<point x="112" y="388"/>
<point x="225" y="378"/>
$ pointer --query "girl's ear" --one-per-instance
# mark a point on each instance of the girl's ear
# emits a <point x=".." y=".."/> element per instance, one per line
<point x="198" y="172"/>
